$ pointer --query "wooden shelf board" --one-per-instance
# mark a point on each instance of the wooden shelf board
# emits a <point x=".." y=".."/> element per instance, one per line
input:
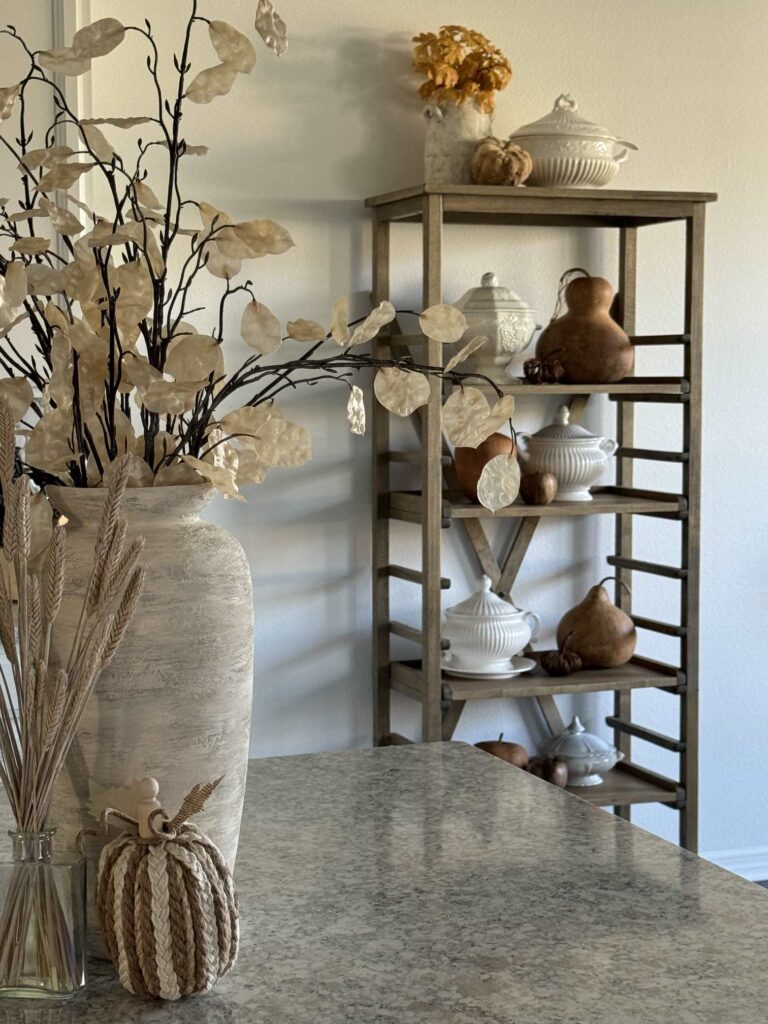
<point x="555" y="207"/>
<point x="604" y="502"/>
<point x="628" y="386"/>
<point x="606" y="195"/>
<point x="537" y="683"/>
<point x="628" y="784"/>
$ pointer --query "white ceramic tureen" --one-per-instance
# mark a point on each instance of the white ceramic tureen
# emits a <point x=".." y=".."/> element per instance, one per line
<point x="587" y="756"/>
<point x="504" y="318"/>
<point x="576" y="457"/>
<point x="569" y="151"/>
<point x="485" y="631"/>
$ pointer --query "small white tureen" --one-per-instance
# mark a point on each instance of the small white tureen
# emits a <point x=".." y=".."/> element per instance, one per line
<point x="504" y="318"/>
<point x="485" y="631"/>
<point x="587" y="756"/>
<point x="576" y="457"/>
<point x="568" y="151"/>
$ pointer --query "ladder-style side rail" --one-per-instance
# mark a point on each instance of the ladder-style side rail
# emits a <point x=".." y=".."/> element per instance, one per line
<point x="689" y="598"/>
<point x="625" y="431"/>
<point x="380" y="491"/>
<point x="432" y="481"/>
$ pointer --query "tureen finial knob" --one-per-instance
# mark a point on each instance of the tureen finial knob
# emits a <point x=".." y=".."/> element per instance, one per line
<point x="489" y="280"/>
<point x="563" y="415"/>
<point x="486" y="583"/>
<point x="566" y="102"/>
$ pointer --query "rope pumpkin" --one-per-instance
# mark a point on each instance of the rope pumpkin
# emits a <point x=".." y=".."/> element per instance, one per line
<point x="166" y="901"/>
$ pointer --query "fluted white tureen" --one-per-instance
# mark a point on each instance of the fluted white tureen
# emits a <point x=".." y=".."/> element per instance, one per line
<point x="570" y="151"/>
<point x="485" y="631"/>
<point x="571" y="452"/>
<point x="587" y="756"/>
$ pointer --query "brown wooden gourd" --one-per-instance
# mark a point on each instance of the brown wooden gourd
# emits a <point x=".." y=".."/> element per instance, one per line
<point x="499" y="162"/>
<point x="603" y="635"/>
<point x="513" y="753"/>
<point x="591" y="346"/>
<point x="470" y="462"/>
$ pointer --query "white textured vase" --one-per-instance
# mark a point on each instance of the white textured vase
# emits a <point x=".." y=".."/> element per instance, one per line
<point x="176" y="701"/>
<point x="452" y="134"/>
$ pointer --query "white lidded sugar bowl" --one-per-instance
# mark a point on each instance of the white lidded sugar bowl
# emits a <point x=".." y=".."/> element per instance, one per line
<point x="587" y="756"/>
<point x="504" y="318"/>
<point x="485" y="631"/>
<point x="575" y="456"/>
<point x="568" y="150"/>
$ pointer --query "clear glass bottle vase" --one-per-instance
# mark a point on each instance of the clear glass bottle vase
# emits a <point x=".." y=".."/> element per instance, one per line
<point x="42" y="920"/>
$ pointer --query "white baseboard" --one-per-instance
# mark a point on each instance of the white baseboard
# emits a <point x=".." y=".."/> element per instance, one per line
<point x="751" y="863"/>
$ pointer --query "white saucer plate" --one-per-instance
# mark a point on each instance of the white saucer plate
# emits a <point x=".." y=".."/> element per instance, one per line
<point x="517" y="666"/>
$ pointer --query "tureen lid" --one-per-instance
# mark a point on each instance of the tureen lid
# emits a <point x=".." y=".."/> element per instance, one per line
<point x="491" y="296"/>
<point x="563" y="119"/>
<point x="561" y="429"/>
<point x="575" y="741"/>
<point x="484" y="604"/>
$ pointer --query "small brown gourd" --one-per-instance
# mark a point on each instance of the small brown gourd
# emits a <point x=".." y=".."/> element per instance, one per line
<point x="513" y="753"/>
<point x="470" y="462"/>
<point x="561" y="662"/>
<point x="601" y="634"/>
<point x="538" y="488"/>
<point x="499" y="162"/>
<point x="591" y="346"/>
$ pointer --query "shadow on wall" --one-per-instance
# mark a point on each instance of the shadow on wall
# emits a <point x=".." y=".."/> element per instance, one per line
<point x="378" y="90"/>
<point x="305" y="533"/>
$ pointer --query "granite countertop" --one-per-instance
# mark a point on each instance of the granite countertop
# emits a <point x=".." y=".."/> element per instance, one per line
<point x="439" y="885"/>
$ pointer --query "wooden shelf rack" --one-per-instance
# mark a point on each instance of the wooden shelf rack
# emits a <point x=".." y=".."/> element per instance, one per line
<point x="437" y="505"/>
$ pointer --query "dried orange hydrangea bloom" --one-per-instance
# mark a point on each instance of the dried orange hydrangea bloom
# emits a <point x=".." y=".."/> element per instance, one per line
<point x="460" y="65"/>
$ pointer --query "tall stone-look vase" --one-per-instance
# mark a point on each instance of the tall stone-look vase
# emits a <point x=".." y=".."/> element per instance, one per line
<point x="176" y="700"/>
<point x="452" y="134"/>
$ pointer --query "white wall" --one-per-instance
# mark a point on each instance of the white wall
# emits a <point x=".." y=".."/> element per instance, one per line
<point x="304" y="140"/>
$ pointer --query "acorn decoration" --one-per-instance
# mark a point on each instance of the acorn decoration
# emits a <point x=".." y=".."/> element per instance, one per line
<point x="166" y="901"/>
<point x="601" y="634"/>
<point x="538" y="488"/>
<point x="562" y="662"/>
<point x="551" y="769"/>
<point x="499" y="162"/>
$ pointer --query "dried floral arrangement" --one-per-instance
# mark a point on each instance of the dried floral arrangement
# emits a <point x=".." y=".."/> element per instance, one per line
<point x="460" y="65"/>
<point x="118" y="368"/>
<point x="41" y="704"/>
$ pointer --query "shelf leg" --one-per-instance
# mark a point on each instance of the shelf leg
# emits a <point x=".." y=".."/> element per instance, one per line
<point x="689" y="710"/>
<point x="625" y="415"/>
<point x="432" y="484"/>
<point x="380" y="484"/>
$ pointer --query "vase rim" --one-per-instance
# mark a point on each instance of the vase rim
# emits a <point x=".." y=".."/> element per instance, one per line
<point x="178" y="499"/>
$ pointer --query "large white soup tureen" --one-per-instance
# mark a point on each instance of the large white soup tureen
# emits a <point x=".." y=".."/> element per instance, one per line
<point x="568" y="151"/>
<point x="504" y="318"/>
<point x="485" y="632"/>
<point x="576" y="457"/>
<point x="587" y="756"/>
